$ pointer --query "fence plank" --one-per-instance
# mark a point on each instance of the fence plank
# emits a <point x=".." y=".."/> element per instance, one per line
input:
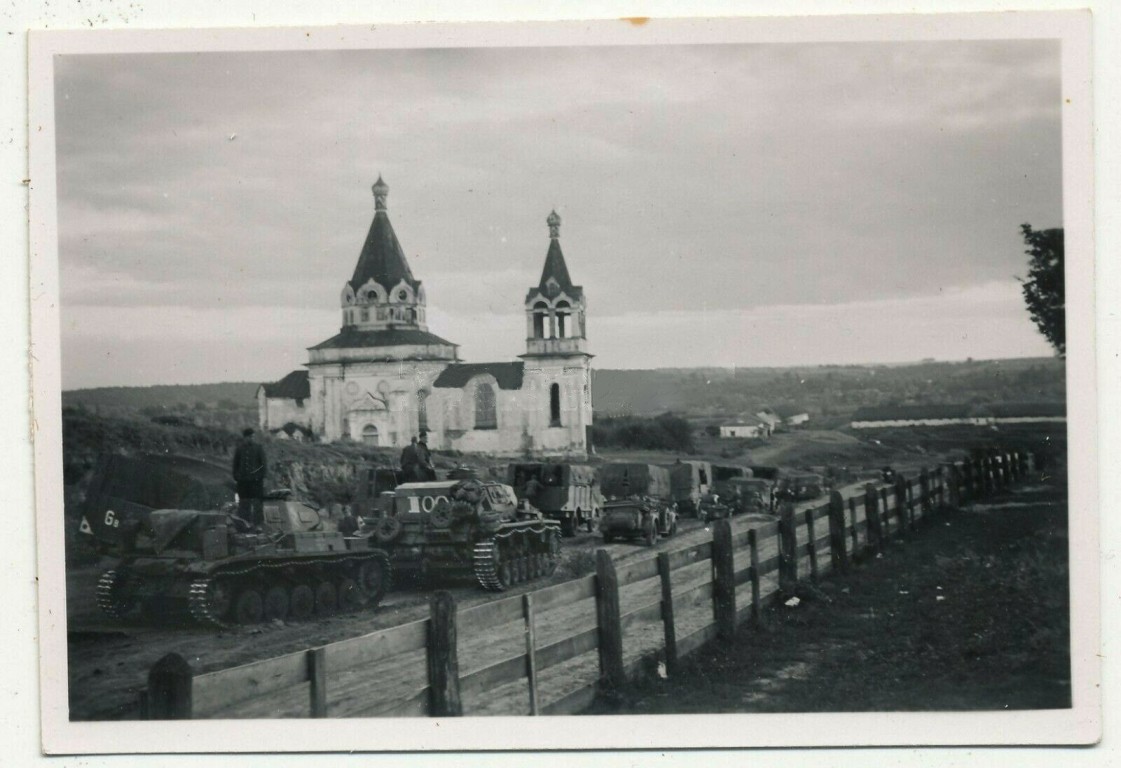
<point x="225" y="687"/>
<point x="565" y="593"/>
<point x="699" y="592"/>
<point x="443" y="657"/>
<point x="415" y="705"/>
<point x="530" y="652"/>
<point x="769" y="565"/>
<point x="376" y="646"/>
<point x="690" y="555"/>
<point x="573" y="702"/>
<point x="668" y="627"/>
<point x="638" y="570"/>
<point x="692" y="642"/>
<point x="317" y="676"/>
<point x="855" y="536"/>
<point x="492" y="614"/>
<point x="502" y="672"/>
<point x="608" y="614"/>
<point x="568" y="648"/>
<point x="648" y="612"/>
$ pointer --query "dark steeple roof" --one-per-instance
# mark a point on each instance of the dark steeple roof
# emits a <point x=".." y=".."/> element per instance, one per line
<point x="382" y="257"/>
<point x="554" y="260"/>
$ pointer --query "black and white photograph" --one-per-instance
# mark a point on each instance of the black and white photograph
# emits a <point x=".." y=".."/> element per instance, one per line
<point x="678" y="376"/>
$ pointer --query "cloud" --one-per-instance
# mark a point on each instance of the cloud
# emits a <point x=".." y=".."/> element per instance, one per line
<point x="722" y="178"/>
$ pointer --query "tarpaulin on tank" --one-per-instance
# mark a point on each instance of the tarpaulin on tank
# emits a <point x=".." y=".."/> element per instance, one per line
<point x="160" y="482"/>
<point x="166" y="524"/>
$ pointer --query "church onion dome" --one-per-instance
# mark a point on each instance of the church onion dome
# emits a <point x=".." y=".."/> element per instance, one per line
<point x="382" y="258"/>
<point x="554" y="277"/>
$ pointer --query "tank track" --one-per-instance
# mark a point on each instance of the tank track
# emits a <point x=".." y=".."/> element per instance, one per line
<point x="203" y="611"/>
<point x="106" y="599"/>
<point x="535" y="565"/>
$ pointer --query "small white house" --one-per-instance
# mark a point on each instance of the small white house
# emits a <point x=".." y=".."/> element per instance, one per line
<point x="744" y="430"/>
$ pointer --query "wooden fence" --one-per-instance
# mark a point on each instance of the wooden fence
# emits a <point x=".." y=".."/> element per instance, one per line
<point x="693" y="595"/>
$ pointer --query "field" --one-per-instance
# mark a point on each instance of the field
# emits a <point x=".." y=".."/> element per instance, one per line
<point x="972" y="613"/>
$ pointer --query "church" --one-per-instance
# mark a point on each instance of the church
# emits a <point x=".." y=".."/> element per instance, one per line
<point x="385" y="378"/>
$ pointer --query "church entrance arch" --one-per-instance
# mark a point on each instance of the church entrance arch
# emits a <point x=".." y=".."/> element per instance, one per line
<point x="370" y="435"/>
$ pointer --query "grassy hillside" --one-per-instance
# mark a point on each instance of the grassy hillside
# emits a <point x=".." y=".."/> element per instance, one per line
<point x="700" y="393"/>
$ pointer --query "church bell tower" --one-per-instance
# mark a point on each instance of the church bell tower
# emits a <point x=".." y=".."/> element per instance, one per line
<point x="557" y="351"/>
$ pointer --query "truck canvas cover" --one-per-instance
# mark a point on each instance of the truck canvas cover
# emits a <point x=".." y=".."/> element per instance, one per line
<point x="624" y="479"/>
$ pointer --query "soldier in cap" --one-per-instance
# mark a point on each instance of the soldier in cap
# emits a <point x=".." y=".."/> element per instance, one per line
<point x="249" y="468"/>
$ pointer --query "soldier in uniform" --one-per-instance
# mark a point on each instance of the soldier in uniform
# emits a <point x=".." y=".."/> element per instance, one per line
<point x="424" y="468"/>
<point x="249" y="468"/>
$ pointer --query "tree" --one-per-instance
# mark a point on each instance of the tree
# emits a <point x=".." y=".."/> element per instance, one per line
<point x="1045" y="287"/>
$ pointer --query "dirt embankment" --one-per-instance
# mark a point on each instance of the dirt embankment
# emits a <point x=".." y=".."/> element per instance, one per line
<point x="971" y="613"/>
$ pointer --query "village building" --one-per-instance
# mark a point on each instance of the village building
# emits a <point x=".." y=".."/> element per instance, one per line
<point x="949" y="414"/>
<point x="385" y="378"/>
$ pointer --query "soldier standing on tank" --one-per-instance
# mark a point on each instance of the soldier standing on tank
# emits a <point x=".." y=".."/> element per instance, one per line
<point x="425" y="470"/>
<point x="409" y="461"/>
<point x="249" y="469"/>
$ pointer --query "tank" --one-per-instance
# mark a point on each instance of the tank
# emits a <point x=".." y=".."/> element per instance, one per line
<point x="211" y="567"/>
<point x="458" y="528"/>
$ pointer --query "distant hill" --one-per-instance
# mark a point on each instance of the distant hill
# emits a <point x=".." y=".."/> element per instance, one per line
<point x="701" y="393"/>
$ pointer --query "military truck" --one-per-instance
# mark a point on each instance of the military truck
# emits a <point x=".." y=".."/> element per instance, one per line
<point x="799" y="486"/>
<point x="568" y="493"/>
<point x="453" y="528"/>
<point x="211" y="566"/>
<point x="690" y="481"/>
<point x="752" y="495"/>
<point x="620" y="480"/>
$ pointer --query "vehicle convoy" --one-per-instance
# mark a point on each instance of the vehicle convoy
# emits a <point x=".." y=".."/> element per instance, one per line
<point x="213" y="567"/>
<point x="453" y="528"/>
<point x="638" y="518"/>
<point x="568" y="493"/>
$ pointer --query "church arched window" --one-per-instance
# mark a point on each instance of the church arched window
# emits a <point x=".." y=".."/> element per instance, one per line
<point x="562" y="319"/>
<point x="540" y="311"/>
<point x="554" y="405"/>
<point x="486" y="411"/>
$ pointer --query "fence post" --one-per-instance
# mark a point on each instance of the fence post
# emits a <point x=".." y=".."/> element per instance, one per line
<point x="910" y="505"/>
<point x="753" y="547"/>
<point x="1009" y="475"/>
<point x="443" y="657"/>
<point x="530" y="651"/>
<point x="1023" y="459"/>
<point x="787" y="550"/>
<point x="724" y="581"/>
<point x="667" y="613"/>
<point x="855" y="532"/>
<point x="967" y="483"/>
<point x="925" y="504"/>
<point x="170" y="689"/>
<point x="837" y="551"/>
<point x="956" y="482"/>
<point x="608" y="618"/>
<point x="811" y="544"/>
<point x="901" y="487"/>
<point x="317" y="676"/>
<point x="885" y="529"/>
<point x="872" y="518"/>
<point x="985" y="469"/>
<point x="1014" y="465"/>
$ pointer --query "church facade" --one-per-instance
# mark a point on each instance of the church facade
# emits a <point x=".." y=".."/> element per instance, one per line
<point x="385" y="378"/>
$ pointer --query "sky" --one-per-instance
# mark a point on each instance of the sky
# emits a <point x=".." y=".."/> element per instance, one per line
<point x="721" y="205"/>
